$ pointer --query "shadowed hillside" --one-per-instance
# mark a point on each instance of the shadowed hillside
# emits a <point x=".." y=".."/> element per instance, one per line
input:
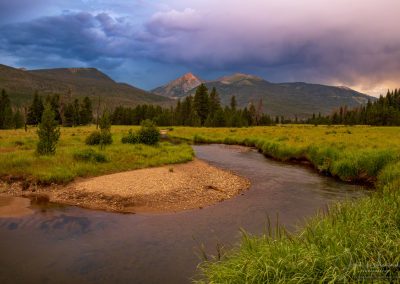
<point x="288" y="99"/>
<point x="73" y="82"/>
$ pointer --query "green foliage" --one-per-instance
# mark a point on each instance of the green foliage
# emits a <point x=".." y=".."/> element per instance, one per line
<point x="6" y="114"/>
<point x="48" y="132"/>
<point x="353" y="241"/>
<point x="18" y="156"/>
<point x="19" y="119"/>
<point x="148" y="133"/>
<point x="105" y="138"/>
<point x="86" y="111"/>
<point x="35" y="111"/>
<point x="385" y="111"/>
<point x="105" y="130"/>
<point x="90" y="155"/>
<point x="130" y="138"/>
<point x="93" y="138"/>
<point x="78" y="113"/>
<point x="201" y="103"/>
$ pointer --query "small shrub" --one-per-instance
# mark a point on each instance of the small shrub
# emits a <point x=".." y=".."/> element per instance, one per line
<point x="148" y="133"/>
<point x="130" y="138"/>
<point x="19" y="143"/>
<point x="89" y="155"/>
<point x="94" y="138"/>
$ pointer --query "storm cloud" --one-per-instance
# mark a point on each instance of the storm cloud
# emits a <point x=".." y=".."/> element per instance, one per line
<point x="354" y="43"/>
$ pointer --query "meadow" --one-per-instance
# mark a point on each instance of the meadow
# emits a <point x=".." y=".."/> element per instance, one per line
<point x="356" y="241"/>
<point x="74" y="158"/>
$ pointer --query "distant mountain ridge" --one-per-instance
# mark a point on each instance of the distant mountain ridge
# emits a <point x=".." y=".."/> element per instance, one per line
<point x="289" y="99"/>
<point x="71" y="83"/>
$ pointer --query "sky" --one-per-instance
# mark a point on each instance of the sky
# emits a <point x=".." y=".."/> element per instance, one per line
<point x="354" y="43"/>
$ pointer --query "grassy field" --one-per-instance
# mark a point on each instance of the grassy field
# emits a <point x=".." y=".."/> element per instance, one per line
<point x="75" y="159"/>
<point x="356" y="241"/>
<point x="353" y="242"/>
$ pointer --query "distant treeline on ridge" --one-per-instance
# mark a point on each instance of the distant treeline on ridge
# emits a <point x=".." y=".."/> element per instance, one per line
<point x="202" y="109"/>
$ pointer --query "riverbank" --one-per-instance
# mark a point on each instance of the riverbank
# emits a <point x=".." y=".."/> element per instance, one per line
<point x="74" y="159"/>
<point x="352" y="242"/>
<point x="161" y="189"/>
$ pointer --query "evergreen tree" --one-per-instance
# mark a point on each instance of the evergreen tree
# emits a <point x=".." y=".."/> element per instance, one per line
<point x="19" y="120"/>
<point x="201" y="103"/>
<point x="6" y="113"/>
<point x="233" y="103"/>
<point x="48" y="132"/>
<point x="105" y="130"/>
<point x="252" y="119"/>
<point x="86" y="111"/>
<point x="68" y="120"/>
<point x="76" y="112"/>
<point x="35" y="111"/>
<point x="54" y="101"/>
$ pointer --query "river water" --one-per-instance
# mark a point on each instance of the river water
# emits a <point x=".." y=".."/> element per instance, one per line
<point x="65" y="244"/>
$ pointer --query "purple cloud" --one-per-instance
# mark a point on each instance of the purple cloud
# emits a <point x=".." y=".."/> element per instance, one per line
<point x="355" y="43"/>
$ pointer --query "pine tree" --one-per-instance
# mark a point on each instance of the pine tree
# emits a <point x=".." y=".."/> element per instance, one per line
<point x="19" y="120"/>
<point x="6" y="113"/>
<point x="54" y="101"/>
<point x="48" y="132"/>
<point x="68" y="119"/>
<point x="201" y="103"/>
<point x="105" y="130"/>
<point x="86" y="111"/>
<point x="35" y="111"/>
<point x="252" y="115"/>
<point x="233" y="103"/>
<point x="76" y="112"/>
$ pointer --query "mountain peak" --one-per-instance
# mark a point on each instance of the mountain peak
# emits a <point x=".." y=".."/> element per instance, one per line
<point x="179" y="87"/>
<point x="189" y="76"/>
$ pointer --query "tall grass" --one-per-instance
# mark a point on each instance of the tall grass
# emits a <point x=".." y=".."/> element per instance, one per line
<point x="355" y="241"/>
<point x="75" y="159"/>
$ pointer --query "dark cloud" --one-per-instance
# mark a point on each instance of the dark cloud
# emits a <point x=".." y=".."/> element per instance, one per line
<point x="80" y="36"/>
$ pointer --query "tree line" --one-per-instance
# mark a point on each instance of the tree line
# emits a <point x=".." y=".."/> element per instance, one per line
<point x="202" y="109"/>
<point x="77" y="112"/>
<point x="383" y="112"/>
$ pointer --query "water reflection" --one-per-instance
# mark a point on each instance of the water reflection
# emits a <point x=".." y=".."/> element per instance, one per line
<point x="73" y="245"/>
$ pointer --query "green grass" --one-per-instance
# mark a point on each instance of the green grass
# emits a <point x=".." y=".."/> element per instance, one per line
<point x="356" y="241"/>
<point x="75" y="159"/>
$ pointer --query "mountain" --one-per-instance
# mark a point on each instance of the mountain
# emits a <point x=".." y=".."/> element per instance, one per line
<point x="178" y="87"/>
<point x="73" y="82"/>
<point x="288" y="99"/>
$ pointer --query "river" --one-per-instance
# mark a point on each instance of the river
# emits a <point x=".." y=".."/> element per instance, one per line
<point x="65" y="244"/>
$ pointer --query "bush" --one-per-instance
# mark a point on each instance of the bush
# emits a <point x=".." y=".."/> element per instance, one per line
<point x="130" y="138"/>
<point x="97" y="138"/>
<point x="148" y="133"/>
<point x="89" y="155"/>
<point x="94" y="138"/>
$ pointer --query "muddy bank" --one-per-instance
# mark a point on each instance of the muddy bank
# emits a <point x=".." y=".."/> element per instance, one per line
<point x="12" y="207"/>
<point x="163" y="189"/>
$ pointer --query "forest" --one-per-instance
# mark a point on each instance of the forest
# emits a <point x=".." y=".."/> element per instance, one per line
<point x="202" y="109"/>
